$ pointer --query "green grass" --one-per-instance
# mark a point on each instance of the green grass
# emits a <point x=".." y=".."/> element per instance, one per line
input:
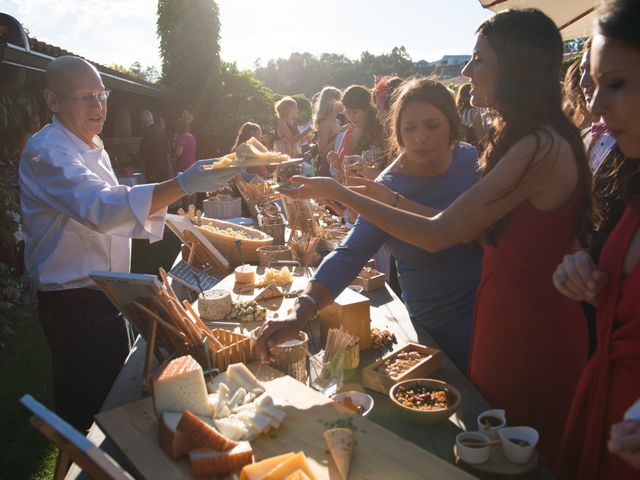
<point x="25" y="368"/>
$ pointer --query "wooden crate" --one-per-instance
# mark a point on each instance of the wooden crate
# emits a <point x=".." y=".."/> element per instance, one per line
<point x="370" y="280"/>
<point x="350" y="310"/>
<point x="381" y="382"/>
<point x="236" y="348"/>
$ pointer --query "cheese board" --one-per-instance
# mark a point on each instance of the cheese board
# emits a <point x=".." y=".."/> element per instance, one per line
<point x="277" y="307"/>
<point x="378" y="454"/>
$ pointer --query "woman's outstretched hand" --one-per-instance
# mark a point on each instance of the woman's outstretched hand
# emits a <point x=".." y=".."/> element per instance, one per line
<point x="319" y="188"/>
<point x="371" y="189"/>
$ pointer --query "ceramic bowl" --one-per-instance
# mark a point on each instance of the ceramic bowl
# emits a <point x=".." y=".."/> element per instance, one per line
<point x="490" y="421"/>
<point x="426" y="417"/>
<point x="473" y="447"/>
<point x="518" y="443"/>
<point x="359" y="399"/>
<point x="356" y="288"/>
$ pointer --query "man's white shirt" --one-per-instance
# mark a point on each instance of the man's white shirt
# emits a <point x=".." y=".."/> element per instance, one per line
<point x="76" y="216"/>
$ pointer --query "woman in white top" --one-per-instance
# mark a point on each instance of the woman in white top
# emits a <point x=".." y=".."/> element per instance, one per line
<point x="327" y="125"/>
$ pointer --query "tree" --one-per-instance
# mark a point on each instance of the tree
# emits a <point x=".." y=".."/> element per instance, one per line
<point x="306" y="73"/>
<point x="244" y="99"/>
<point x="148" y="74"/>
<point x="189" y="32"/>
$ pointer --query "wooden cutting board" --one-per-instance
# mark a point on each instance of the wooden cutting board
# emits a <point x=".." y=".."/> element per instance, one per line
<point x="276" y="307"/>
<point x="379" y="454"/>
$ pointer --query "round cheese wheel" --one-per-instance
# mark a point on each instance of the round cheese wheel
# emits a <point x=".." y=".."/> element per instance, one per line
<point x="245" y="274"/>
<point x="214" y="305"/>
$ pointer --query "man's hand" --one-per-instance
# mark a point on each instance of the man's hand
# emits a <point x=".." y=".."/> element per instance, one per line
<point x="196" y="179"/>
<point x="275" y="332"/>
<point x="625" y="441"/>
<point x="577" y="277"/>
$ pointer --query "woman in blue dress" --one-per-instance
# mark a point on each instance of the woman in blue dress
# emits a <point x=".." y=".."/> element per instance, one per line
<point x="431" y="170"/>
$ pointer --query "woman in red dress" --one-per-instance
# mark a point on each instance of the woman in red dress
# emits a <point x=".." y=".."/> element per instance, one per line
<point x="529" y="342"/>
<point x="610" y="383"/>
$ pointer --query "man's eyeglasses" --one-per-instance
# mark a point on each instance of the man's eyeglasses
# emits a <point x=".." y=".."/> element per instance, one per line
<point x="89" y="98"/>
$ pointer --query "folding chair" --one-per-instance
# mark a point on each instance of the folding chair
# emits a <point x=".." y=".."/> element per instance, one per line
<point x="74" y="447"/>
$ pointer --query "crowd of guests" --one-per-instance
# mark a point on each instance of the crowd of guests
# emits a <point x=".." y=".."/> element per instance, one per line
<point x="518" y="248"/>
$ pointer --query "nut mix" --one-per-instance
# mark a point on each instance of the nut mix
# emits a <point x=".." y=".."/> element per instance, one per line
<point x="420" y="397"/>
<point x="400" y="363"/>
<point x="381" y="338"/>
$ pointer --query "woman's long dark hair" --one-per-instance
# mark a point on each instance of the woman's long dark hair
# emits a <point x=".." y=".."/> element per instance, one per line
<point x="574" y="103"/>
<point x="620" y="19"/>
<point x="528" y="98"/>
<point x="357" y="97"/>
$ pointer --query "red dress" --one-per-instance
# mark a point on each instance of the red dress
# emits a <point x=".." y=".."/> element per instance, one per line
<point x="611" y="381"/>
<point x="529" y="342"/>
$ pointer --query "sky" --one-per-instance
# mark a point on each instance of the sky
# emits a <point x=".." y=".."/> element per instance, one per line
<point x="124" y="31"/>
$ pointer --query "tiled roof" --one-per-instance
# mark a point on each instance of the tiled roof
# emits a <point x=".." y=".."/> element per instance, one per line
<point x="53" y="51"/>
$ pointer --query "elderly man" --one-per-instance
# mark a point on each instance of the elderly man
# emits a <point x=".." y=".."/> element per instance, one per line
<point x="77" y="219"/>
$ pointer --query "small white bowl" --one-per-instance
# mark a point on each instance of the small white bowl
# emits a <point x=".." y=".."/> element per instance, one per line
<point x="510" y="436"/>
<point x="499" y="420"/>
<point x="356" y="288"/>
<point x="359" y="399"/>
<point x="478" y="453"/>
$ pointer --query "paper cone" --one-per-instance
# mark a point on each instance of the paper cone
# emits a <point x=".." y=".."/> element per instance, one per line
<point x="340" y="442"/>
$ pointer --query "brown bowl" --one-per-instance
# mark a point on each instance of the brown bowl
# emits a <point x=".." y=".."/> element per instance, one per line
<point x="426" y="417"/>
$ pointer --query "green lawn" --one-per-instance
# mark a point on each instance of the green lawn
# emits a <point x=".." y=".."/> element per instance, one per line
<point x="25" y="368"/>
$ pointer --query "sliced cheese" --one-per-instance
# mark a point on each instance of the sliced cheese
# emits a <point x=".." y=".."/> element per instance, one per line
<point x="207" y="463"/>
<point x="203" y="435"/>
<point x="214" y="305"/>
<point x="237" y="398"/>
<point x="297" y="475"/>
<point x="258" y="470"/>
<point x="212" y="398"/>
<point x="297" y="462"/>
<point x="178" y="386"/>
<point x="232" y="428"/>
<point x="275" y="415"/>
<point x="240" y="374"/>
<point x="223" y="396"/>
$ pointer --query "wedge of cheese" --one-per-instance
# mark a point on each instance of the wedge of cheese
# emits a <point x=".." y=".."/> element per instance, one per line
<point x="178" y="386"/>
<point x="174" y="443"/>
<point x="270" y="291"/>
<point x="203" y="435"/>
<point x="258" y="470"/>
<point x="340" y="442"/>
<point x="207" y="463"/>
<point x="297" y="462"/>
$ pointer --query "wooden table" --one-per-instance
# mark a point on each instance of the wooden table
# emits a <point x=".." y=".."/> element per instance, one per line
<point x="387" y="311"/>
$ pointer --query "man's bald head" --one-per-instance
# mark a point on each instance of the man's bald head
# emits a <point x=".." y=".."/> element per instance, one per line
<point x="75" y="93"/>
<point x="67" y="74"/>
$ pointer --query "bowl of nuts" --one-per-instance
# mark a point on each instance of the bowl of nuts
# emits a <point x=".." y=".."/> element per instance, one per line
<point x="425" y="400"/>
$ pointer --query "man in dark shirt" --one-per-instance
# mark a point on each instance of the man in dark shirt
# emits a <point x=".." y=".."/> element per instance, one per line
<point x="154" y="150"/>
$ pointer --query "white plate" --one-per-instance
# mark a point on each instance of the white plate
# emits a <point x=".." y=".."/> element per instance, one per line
<point x="359" y="399"/>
